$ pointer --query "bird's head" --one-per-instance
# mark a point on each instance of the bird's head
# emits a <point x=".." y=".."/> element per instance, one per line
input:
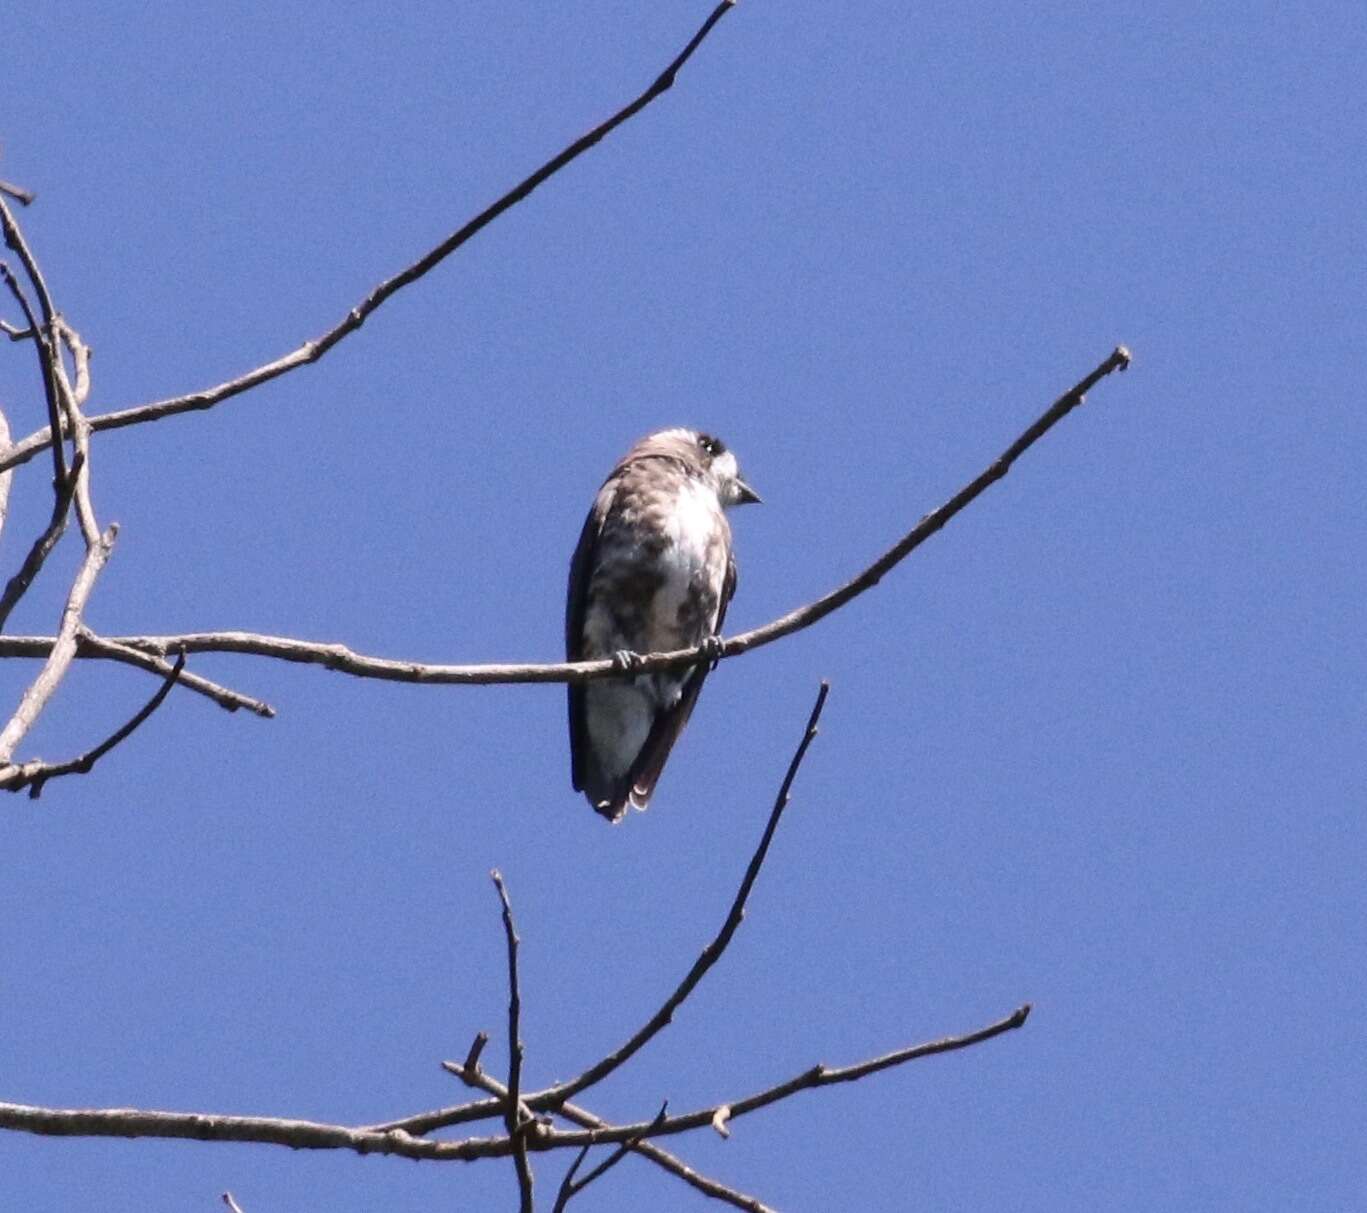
<point x="707" y="456"/>
<point x="723" y="472"/>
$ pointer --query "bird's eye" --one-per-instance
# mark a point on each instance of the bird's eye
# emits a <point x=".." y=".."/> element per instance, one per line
<point x="713" y="446"/>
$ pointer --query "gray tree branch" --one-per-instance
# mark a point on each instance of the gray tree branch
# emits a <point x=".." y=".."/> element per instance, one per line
<point x="313" y="350"/>
<point x="44" y="336"/>
<point x="342" y="659"/>
<point x="34" y="775"/>
<point x="98" y="544"/>
<point x="515" y="1118"/>
<point x="552" y="1098"/>
<point x="571" y="1187"/>
<point x="523" y="1132"/>
<point x="477" y="1078"/>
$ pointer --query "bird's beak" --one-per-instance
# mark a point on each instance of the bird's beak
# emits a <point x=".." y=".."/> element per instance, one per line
<point x="745" y="495"/>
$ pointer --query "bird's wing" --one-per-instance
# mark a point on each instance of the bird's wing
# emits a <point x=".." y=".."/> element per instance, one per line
<point x="728" y="591"/>
<point x="576" y="603"/>
<point x="645" y="771"/>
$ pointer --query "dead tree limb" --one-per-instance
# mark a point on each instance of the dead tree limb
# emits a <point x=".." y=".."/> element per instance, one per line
<point x="98" y="544"/>
<point x="524" y="1132"/>
<point x="33" y="775"/>
<point x="339" y="658"/>
<point x="515" y="1118"/>
<point x="312" y="351"/>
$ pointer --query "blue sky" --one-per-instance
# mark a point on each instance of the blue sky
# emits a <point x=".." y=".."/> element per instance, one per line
<point x="1098" y="746"/>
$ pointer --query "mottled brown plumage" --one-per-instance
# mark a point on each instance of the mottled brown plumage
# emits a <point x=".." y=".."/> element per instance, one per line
<point x="653" y="571"/>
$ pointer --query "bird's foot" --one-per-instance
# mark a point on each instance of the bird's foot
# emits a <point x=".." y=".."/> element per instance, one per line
<point x="626" y="661"/>
<point x="712" y="647"/>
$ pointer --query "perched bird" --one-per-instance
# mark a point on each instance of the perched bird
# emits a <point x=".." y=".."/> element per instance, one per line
<point x="653" y="572"/>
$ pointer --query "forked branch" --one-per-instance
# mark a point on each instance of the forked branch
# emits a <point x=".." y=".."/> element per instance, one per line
<point x="343" y="660"/>
<point x="524" y="1133"/>
<point x="313" y="350"/>
<point x="33" y="775"/>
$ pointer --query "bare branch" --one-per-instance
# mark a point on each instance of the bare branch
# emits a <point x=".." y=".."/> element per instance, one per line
<point x="45" y="337"/>
<point x="233" y="1206"/>
<point x="98" y="545"/>
<point x="91" y="646"/>
<point x="80" y="357"/>
<point x="816" y="1076"/>
<point x="63" y="650"/>
<point x="34" y="775"/>
<point x="311" y="351"/>
<point x="19" y="584"/>
<point x="310" y="1135"/>
<point x="71" y="398"/>
<point x="513" y="1115"/>
<point x="15" y="333"/>
<point x="266" y="1130"/>
<point x="646" y="1149"/>
<point x="456" y="1114"/>
<point x="22" y="196"/>
<point x="343" y="660"/>
<point x="552" y="1097"/>
<point x="14" y="240"/>
<point x="42" y="341"/>
<point x="476" y="1048"/>
<point x="569" y="1189"/>
<point x="565" y="1193"/>
<point x="6" y="478"/>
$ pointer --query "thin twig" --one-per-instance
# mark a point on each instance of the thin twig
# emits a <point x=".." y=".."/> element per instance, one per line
<point x="18" y="585"/>
<point x="233" y="1206"/>
<point x="14" y="239"/>
<point x="90" y="646"/>
<point x="18" y="193"/>
<point x="552" y="1097"/>
<point x="816" y="1076"/>
<point x="310" y="1135"/>
<point x="63" y="650"/>
<point x="311" y="351"/>
<point x="15" y="333"/>
<point x="569" y="1189"/>
<point x="340" y="658"/>
<point x="44" y="337"/>
<point x="456" y="1114"/>
<point x="80" y="357"/>
<point x="71" y="399"/>
<point x="42" y="342"/>
<point x="34" y="775"/>
<point x="98" y="547"/>
<point x="513" y="1117"/>
<point x="6" y="479"/>
<point x="476" y="1048"/>
<point x="565" y="1193"/>
<point x="646" y="1149"/>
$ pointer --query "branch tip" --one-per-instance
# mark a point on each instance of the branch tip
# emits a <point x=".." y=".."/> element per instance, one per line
<point x="310" y="351"/>
<point x="471" y="1063"/>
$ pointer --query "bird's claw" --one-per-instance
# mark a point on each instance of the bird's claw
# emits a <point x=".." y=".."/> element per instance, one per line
<point x="712" y="647"/>
<point x="626" y="661"/>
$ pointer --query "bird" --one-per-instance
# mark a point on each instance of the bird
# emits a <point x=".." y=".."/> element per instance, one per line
<point x="653" y="571"/>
